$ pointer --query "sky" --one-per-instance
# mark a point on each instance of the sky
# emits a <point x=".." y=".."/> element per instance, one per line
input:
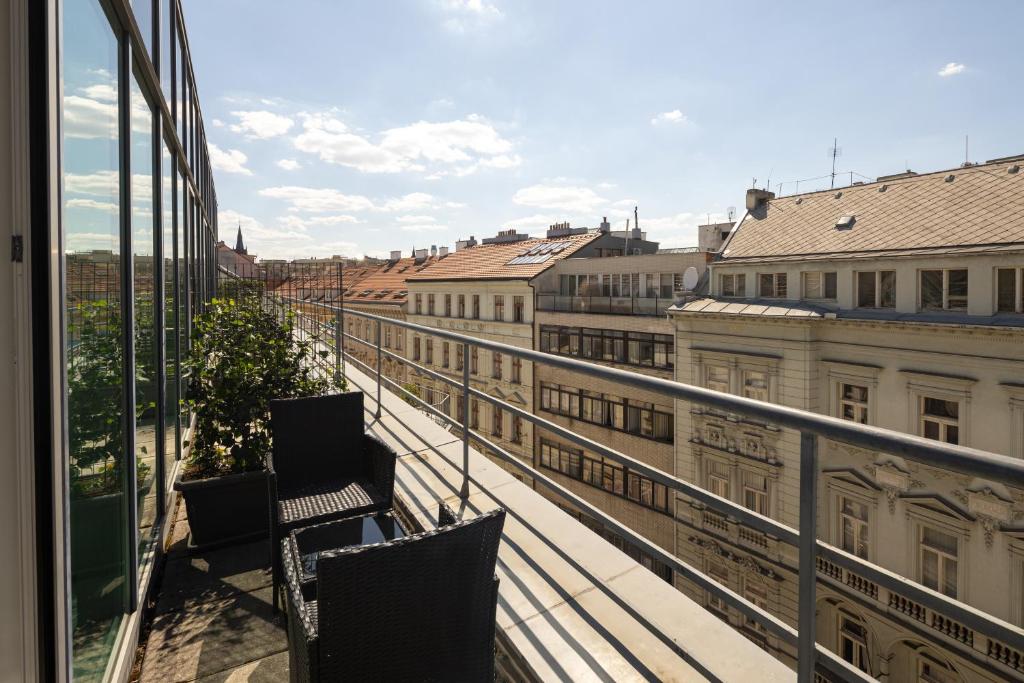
<point x="362" y="127"/>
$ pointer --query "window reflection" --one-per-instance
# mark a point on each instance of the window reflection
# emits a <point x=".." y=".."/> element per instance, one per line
<point x="93" y="336"/>
<point x="171" y="427"/>
<point x="145" y="331"/>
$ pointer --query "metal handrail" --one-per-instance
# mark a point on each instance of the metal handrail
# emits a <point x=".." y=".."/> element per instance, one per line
<point x="810" y="425"/>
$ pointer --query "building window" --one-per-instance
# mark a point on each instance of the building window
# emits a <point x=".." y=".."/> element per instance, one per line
<point x="756" y="593"/>
<point x="755" y="492"/>
<point x="734" y="284"/>
<point x="499" y="307"/>
<point x="717" y="378"/>
<point x="853" y="403"/>
<point x="497" y="419"/>
<point x="474" y="360"/>
<point x="876" y="289"/>
<point x="940" y="419"/>
<point x="496" y="365"/>
<point x="853" y="527"/>
<point x="462" y="305"/>
<point x="755" y="385"/>
<point x="773" y="285"/>
<point x="430" y="351"/>
<point x="387" y="337"/>
<point x="415" y="348"/>
<point x="430" y="304"/>
<point x="608" y="476"/>
<point x="399" y="336"/>
<point x="938" y="561"/>
<point x="720" y="574"/>
<point x="458" y="356"/>
<point x="614" y="346"/>
<point x="633" y="417"/>
<point x="518" y="306"/>
<point x="718" y="480"/>
<point x="943" y="289"/>
<point x="819" y="285"/>
<point x="474" y="414"/>
<point x="459" y="405"/>
<point x="1009" y="290"/>
<point x="476" y="306"/>
<point x="517" y="429"/>
<point x="517" y="370"/>
<point x="445" y="358"/>
<point x="419" y="304"/>
<point x="853" y="642"/>
<point x="448" y="305"/>
<point x="932" y="671"/>
<point x="561" y="459"/>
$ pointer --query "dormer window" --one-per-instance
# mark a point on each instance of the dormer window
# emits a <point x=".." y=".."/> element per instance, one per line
<point x="1010" y="290"/>
<point x="733" y="285"/>
<point x="943" y="289"/>
<point x="773" y="285"/>
<point x="819" y="285"/>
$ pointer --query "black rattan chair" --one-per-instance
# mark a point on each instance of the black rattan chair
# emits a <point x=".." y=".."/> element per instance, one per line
<point x="416" y="608"/>
<point x="323" y="466"/>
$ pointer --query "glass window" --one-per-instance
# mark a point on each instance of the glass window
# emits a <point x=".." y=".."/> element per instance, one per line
<point x="943" y="289"/>
<point x="940" y="419"/>
<point x="430" y="304"/>
<point x="773" y="285"/>
<point x="734" y="285"/>
<point x="819" y="285"/>
<point x="755" y="492"/>
<point x="496" y="365"/>
<point x="476" y="306"/>
<point x="166" y="58"/>
<point x="94" y="320"/>
<point x="147" y="460"/>
<point x="939" y="561"/>
<point x="721" y="575"/>
<point x="853" y="527"/>
<point x="876" y="289"/>
<point x="853" y="643"/>
<point x="755" y="385"/>
<point x="172" y="441"/>
<point x="717" y="378"/>
<point x="853" y="402"/>
<point x="517" y="370"/>
<point x="518" y="306"/>
<point x="499" y="307"/>
<point x="1009" y="294"/>
<point x="184" y="314"/>
<point x="448" y="305"/>
<point x="462" y="305"/>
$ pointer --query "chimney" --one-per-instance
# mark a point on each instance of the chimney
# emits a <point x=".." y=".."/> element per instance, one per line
<point x="433" y="250"/>
<point x="506" y="236"/>
<point x="756" y="198"/>
<point x="442" y="252"/>
<point x="465" y="244"/>
<point x="396" y="255"/>
<point x="421" y="255"/>
<point x="606" y="227"/>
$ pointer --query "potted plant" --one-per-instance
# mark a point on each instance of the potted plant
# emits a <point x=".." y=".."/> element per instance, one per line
<point x="242" y="357"/>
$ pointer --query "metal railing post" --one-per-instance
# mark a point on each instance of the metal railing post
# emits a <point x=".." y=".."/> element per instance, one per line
<point x="378" y="369"/>
<point x="337" y="349"/>
<point x="464" y="491"/>
<point x="806" y="630"/>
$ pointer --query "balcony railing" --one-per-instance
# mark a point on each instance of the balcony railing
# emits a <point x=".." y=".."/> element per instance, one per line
<point x="1004" y="643"/>
<point x="615" y="305"/>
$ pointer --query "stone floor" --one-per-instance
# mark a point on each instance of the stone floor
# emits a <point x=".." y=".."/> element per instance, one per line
<point x="213" y="620"/>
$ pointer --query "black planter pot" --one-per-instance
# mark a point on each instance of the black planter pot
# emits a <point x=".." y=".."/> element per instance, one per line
<point x="228" y="509"/>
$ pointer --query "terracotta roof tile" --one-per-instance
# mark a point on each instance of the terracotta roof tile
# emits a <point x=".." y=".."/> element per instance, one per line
<point x="491" y="261"/>
<point x="388" y="283"/>
<point x="982" y="205"/>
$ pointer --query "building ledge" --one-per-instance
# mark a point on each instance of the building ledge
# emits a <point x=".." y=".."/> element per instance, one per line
<point x="570" y="606"/>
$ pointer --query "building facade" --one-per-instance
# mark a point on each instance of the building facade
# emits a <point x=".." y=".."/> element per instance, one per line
<point x="110" y="205"/>
<point x="898" y="304"/>
<point x="611" y="311"/>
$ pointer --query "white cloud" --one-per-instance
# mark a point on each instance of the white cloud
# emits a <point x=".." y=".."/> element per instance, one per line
<point x="85" y="117"/>
<point x="109" y="207"/>
<point x="260" y="125"/>
<point x="424" y="227"/>
<point x="563" y="198"/>
<point x="288" y="164"/>
<point x="228" y="161"/>
<point x="468" y="144"/>
<point x="674" y="117"/>
<point x="411" y="202"/>
<point x="467" y="15"/>
<point x="217" y="123"/>
<point x="536" y="222"/>
<point x="952" y="69"/>
<point x="283" y="242"/>
<point x="678" y="230"/>
<point x="317" y="200"/>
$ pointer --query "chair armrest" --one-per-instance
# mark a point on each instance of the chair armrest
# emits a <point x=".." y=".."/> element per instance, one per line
<point x="445" y="514"/>
<point x="303" y="640"/>
<point x="382" y="463"/>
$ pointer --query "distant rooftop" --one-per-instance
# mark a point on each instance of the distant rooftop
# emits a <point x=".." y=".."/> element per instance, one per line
<point x="976" y="205"/>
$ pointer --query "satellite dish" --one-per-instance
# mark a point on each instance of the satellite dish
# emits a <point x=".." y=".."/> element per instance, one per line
<point x="690" y="277"/>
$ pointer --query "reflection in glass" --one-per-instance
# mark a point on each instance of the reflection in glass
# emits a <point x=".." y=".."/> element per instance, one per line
<point x="171" y="438"/>
<point x="93" y="336"/>
<point x="183" y="311"/>
<point x="166" y="59"/>
<point x="143" y="243"/>
<point x="143" y="11"/>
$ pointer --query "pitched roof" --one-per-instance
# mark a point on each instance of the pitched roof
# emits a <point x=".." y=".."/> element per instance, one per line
<point x="978" y="205"/>
<point x="506" y="261"/>
<point x="387" y="283"/>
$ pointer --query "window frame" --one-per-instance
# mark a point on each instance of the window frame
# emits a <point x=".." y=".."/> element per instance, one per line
<point x="824" y="278"/>
<point x="945" y="289"/>
<point x="736" y="287"/>
<point x="779" y="285"/>
<point x="1018" y="289"/>
<point x="878" y="275"/>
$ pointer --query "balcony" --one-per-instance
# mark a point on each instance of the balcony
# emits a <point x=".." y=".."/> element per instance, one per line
<point x="613" y="305"/>
<point x="570" y="605"/>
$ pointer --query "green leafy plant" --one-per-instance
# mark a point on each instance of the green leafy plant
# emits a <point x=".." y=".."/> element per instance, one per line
<point x="242" y="357"/>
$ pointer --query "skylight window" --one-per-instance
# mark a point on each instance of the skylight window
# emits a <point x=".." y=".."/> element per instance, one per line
<point x="845" y="222"/>
<point x="538" y="253"/>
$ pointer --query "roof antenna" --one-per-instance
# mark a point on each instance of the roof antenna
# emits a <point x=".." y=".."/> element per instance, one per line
<point x="835" y="151"/>
<point x="967" y="159"/>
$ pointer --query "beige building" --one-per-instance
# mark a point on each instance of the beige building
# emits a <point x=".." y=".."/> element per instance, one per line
<point x="612" y="311"/>
<point x="896" y="303"/>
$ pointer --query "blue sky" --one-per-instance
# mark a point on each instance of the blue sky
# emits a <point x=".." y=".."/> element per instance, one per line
<point x="361" y="127"/>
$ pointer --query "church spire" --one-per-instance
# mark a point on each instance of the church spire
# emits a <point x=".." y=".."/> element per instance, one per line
<point x="239" y="246"/>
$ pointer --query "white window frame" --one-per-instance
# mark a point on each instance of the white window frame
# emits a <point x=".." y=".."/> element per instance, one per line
<point x="921" y="384"/>
<point x="728" y="378"/>
<point x="878" y="287"/>
<point x="856" y="523"/>
<point x="822" y="277"/>
<point x="714" y="603"/>
<point x="776" y="277"/>
<point x="860" y="408"/>
<point x="737" y="283"/>
<point x="920" y="517"/>
<point x="940" y="557"/>
<point x="856" y="641"/>
<point x="942" y="422"/>
<point x="945" y="289"/>
<point x="764" y="494"/>
<point x="756" y="592"/>
<point x="754" y="392"/>
<point x="1018" y="292"/>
